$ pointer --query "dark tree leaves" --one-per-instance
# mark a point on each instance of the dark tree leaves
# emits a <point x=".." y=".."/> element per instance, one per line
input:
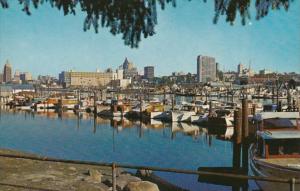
<point x="136" y="18"/>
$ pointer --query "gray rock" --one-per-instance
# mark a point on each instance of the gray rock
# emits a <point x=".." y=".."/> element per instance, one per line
<point x="141" y="186"/>
<point x="124" y="179"/>
<point x="89" y="187"/>
<point x="72" y="168"/>
<point x="94" y="176"/>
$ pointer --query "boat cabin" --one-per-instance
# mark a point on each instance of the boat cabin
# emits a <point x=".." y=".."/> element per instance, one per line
<point x="278" y="135"/>
<point x="270" y="107"/>
<point x="277" y="121"/>
<point x="278" y="144"/>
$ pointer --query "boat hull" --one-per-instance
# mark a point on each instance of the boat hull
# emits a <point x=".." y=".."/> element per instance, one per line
<point x="182" y="116"/>
<point x="264" y="169"/>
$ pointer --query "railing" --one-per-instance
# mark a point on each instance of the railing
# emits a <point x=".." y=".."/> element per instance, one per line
<point x="292" y="182"/>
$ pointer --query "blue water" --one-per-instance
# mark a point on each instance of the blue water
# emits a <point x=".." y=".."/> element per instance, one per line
<point x="71" y="138"/>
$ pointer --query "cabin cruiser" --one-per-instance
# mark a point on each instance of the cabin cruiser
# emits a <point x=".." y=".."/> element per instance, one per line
<point x="183" y="114"/>
<point x="276" y="152"/>
<point x="221" y="123"/>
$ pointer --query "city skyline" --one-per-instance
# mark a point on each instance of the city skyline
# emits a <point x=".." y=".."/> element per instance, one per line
<point x="174" y="34"/>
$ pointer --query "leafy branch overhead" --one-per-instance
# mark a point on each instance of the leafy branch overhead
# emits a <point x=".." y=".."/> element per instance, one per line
<point x="134" y="18"/>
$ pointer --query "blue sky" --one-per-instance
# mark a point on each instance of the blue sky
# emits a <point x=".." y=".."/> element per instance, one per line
<point x="48" y="42"/>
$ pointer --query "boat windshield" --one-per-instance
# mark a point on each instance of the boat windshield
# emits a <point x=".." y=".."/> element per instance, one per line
<point x="284" y="147"/>
<point x="279" y="123"/>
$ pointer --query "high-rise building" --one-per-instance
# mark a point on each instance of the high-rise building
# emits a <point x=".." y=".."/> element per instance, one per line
<point x="206" y="69"/>
<point x="240" y="69"/>
<point x="25" y="77"/>
<point x="149" y="72"/>
<point x="17" y="76"/>
<point x="7" y="72"/>
<point x="1" y="78"/>
<point x="129" y="70"/>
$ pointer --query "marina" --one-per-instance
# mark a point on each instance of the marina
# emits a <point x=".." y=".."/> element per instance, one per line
<point x="185" y="136"/>
<point x="149" y="95"/>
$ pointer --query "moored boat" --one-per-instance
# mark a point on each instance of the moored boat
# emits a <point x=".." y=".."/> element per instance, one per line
<point x="276" y="152"/>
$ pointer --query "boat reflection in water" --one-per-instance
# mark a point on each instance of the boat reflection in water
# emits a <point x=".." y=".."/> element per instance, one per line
<point x="81" y="136"/>
<point x="277" y="151"/>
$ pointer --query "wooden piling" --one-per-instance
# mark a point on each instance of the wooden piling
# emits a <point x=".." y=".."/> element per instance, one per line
<point x="95" y="104"/>
<point x="164" y="102"/>
<point x="173" y="102"/>
<point x="253" y="109"/>
<point x="210" y="109"/>
<point x="245" y="118"/>
<point x="141" y="107"/>
<point x="236" y="158"/>
<point x="114" y="177"/>
<point x="245" y="135"/>
<point x="238" y="126"/>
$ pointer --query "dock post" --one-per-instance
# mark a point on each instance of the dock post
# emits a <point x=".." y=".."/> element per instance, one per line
<point x="173" y="102"/>
<point x="114" y="177"/>
<point x="141" y="107"/>
<point x="273" y="94"/>
<point x="210" y="109"/>
<point x="253" y="109"/>
<point x="61" y="105"/>
<point x="236" y="158"/>
<point x="164" y="102"/>
<point x="292" y="184"/>
<point x="245" y="135"/>
<point x="95" y="104"/>
<point x="279" y="108"/>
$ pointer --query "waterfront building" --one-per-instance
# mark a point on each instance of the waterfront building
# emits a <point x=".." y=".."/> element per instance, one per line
<point x="149" y="72"/>
<point x="7" y="72"/>
<point x="206" y="69"/>
<point x="90" y="79"/>
<point x="265" y="71"/>
<point x="129" y="70"/>
<point x="120" y="83"/>
<point x="244" y="72"/>
<point x="240" y="69"/>
<point x="25" y="77"/>
<point x="17" y="76"/>
<point x="229" y="76"/>
<point x="1" y="78"/>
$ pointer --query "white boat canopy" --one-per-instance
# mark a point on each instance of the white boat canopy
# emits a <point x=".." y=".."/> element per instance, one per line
<point x="280" y="134"/>
<point x="269" y="115"/>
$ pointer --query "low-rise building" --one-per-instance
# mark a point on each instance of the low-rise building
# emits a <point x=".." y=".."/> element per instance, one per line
<point x="90" y="79"/>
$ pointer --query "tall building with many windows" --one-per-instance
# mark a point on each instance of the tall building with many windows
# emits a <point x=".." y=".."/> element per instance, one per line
<point x="7" y="72"/>
<point x="149" y="72"/>
<point x="129" y="71"/>
<point x="25" y="77"/>
<point x="206" y="69"/>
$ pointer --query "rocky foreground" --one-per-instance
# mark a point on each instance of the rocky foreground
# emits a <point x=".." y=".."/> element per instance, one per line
<point x="25" y="174"/>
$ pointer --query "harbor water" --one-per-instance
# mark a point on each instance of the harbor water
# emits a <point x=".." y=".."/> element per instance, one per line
<point x="81" y="137"/>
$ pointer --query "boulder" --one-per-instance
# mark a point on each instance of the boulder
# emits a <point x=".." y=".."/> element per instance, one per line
<point x="141" y="186"/>
<point x="94" y="176"/>
<point x="124" y="179"/>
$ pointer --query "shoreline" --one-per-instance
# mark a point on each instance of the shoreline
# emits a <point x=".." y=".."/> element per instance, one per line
<point x="30" y="174"/>
<point x="19" y="174"/>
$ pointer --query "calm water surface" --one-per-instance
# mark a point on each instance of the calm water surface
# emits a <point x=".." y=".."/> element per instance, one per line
<point x="83" y="138"/>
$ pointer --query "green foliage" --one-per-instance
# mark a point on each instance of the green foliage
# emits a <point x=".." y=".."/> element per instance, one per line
<point x="136" y="18"/>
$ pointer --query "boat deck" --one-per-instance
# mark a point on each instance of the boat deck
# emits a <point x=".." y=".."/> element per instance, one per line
<point x="286" y="162"/>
